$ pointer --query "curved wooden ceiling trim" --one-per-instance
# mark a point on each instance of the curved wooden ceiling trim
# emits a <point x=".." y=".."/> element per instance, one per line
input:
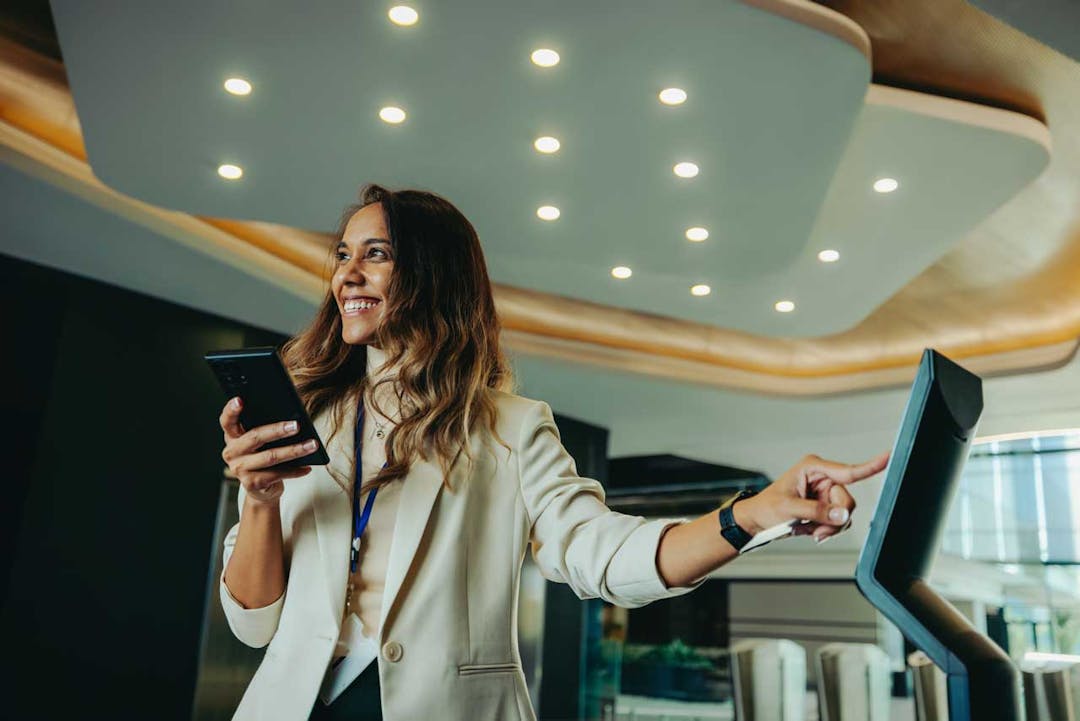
<point x="1030" y="321"/>
<point x="1042" y="357"/>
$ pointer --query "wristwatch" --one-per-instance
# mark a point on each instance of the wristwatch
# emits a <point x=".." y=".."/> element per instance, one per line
<point x="732" y="532"/>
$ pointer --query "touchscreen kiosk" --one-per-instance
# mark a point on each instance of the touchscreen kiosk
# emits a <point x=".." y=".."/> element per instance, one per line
<point x="920" y="483"/>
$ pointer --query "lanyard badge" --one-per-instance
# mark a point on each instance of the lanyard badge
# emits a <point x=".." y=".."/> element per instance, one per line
<point x="360" y="519"/>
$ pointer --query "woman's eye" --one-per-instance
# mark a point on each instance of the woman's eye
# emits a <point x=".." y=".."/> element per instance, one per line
<point x="342" y="255"/>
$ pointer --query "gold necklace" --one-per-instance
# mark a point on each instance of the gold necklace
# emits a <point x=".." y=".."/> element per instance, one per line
<point x="380" y="427"/>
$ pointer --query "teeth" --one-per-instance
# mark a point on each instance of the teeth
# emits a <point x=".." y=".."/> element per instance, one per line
<point x="353" y="305"/>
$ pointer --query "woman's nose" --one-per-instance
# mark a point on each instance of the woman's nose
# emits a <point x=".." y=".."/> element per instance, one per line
<point x="353" y="271"/>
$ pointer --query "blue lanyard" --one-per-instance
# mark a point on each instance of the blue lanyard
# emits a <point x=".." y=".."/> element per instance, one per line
<point x="360" y="520"/>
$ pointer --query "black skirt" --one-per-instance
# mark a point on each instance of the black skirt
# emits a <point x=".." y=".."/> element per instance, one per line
<point x="360" y="701"/>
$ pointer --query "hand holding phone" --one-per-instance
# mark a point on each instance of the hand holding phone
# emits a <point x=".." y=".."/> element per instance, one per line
<point x="256" y="435"/>
<point x="260" y="472"/>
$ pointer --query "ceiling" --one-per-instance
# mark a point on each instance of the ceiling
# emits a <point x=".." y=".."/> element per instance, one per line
<point x="1052" y="22"/>
<point x="779" y="119"/>
<point x="1002" y="298"/>
<point x="45" y="223"/>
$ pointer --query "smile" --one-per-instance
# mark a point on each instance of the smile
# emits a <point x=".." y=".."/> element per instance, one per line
<point x="358" y="306"/>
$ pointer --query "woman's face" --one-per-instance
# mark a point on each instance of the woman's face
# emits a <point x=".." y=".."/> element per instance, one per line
<point x="362" y="275"/>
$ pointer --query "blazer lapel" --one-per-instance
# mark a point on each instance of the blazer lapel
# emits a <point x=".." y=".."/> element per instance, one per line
<point x="421" y="487"/>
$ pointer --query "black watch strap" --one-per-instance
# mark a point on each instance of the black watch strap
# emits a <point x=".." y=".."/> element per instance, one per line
<point x="732" y="532"/>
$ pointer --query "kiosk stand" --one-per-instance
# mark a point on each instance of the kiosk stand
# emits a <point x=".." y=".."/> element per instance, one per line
<point x="924" y="471"/>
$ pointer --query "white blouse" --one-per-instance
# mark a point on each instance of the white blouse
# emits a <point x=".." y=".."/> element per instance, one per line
<point x="370" y="576"/>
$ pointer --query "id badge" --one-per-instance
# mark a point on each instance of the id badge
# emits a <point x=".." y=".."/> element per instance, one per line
<point x="362" y="652"/>
<point x="780" y="530"/>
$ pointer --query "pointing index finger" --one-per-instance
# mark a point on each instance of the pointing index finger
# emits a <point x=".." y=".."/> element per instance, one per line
<point x="851" y="472"/>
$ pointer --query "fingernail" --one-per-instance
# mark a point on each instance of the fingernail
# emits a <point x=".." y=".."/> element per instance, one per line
<point x="290" y="426"/>
<point x="838" y="514"/>
<point x="310" y="445"/>
<point x="236" y="402"/>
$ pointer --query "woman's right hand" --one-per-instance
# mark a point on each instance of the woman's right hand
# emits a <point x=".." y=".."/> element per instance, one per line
<point x="250" y="465"/>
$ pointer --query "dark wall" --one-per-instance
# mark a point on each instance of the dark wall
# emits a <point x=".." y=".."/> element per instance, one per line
<point x="112" y="447"/>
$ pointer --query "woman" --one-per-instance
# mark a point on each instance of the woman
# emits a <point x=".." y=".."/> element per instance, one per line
<point x="392" y="593"/>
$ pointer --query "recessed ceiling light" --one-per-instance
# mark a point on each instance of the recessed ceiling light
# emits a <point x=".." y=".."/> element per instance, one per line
<point x="548" y="212"/>
<point x="885" y="185"/>
<point x="828" y="256"/>
<point x="392" y="115"/>
<point x="403" y="15"/>
<point x="546" y="144"/>
<point x="696" y="234"/>
<point x="621" y="272"/>
<point x="672" y="96"/>
<point x="238" y="86"/>
<point x="784" y="306"/>
<point x="685" y="170"/>
<point x="545" y="57"/>
<point x="230" y="172"/>
<point x="700" y="290"/>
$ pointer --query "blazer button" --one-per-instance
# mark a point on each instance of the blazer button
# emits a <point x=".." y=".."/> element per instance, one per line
<point x="392" y="651"/>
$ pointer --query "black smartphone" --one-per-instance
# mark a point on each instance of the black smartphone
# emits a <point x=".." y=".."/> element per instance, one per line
<point x="267" y="395"/>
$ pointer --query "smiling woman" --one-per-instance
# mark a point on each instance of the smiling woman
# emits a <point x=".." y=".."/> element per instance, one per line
<point x="409" y="290"/>
<point x="422" y="584"/>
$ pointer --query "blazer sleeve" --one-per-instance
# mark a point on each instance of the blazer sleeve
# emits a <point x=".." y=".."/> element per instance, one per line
<point x="254" y="626"/>
<point x="576" y="539"/>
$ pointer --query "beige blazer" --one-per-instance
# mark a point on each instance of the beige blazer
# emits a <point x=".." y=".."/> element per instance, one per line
<point x="449" y="615"/>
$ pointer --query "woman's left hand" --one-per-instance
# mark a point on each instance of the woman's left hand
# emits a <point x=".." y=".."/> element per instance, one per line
<point x="813" y="490"/>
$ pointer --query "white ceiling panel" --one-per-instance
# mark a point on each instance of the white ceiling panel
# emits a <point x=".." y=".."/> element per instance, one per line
<point x="770" y="109"/>
<point x="780" y="118"/>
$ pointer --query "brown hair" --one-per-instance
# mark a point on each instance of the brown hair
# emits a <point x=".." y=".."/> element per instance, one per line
<point x="439" y="330"/>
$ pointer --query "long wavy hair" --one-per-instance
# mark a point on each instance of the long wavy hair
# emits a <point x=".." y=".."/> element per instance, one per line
<point x="439" y="331"/>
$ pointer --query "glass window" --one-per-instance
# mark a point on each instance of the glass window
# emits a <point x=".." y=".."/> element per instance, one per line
<point x="1019" y="501"/>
